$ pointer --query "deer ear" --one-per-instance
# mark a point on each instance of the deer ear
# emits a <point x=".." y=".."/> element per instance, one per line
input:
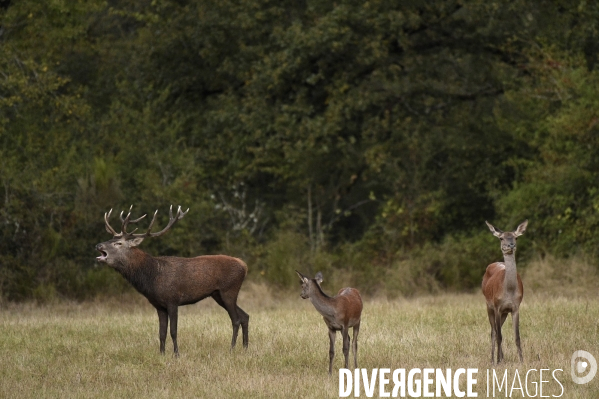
<point x="318" y="278"/>
<point x="135" y="241"/>
<point x="496" y="232"/>
<point x="521" y="229"/>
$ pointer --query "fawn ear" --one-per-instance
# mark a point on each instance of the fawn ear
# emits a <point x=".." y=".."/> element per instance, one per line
<point x="496" y="232"/>
<point x="521" y="228"/>
<point x="318" y="278"/>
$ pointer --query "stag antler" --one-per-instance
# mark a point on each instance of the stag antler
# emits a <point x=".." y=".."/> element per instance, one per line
<point x="172" y="220"/>
<point x="126" y="220"/>
<point x="108" y="227"/>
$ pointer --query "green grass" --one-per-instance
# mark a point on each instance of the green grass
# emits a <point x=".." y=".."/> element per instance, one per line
<point x="110" y="348"/>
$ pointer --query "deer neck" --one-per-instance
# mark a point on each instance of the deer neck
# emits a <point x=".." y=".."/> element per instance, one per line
<point x="321" y="301"/>
<point x="510" y="281"/>
<point x="140" y="270"/>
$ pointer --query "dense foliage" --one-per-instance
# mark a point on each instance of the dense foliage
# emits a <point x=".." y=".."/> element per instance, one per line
<point x="370" y="139"/>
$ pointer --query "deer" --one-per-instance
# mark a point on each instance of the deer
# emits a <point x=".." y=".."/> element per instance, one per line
<point x="340" y="313"/>
<point x="170" y="281"/>
<point x="503" y="289"/>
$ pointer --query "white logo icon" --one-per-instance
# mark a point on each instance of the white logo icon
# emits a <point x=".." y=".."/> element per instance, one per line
<point x="580" y="362"/>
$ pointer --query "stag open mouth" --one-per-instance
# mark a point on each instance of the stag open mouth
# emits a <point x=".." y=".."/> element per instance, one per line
<point x="102" y="257"/>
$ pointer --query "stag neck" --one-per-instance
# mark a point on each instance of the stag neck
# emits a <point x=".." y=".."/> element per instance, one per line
<point x="134" y="259"/>
<point x="511" y="274"/>
<point x="321" y="301"/>
<point x="139" y="269"/>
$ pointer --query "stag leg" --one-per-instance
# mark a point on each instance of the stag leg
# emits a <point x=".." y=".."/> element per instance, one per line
<point x="332" y="336"/>
<point x="491" y="315"/>
<point x="245" y="319"/>
<point x="355" y="344"/>
<point x="173" y="313"/>
<point x="516" y="323"/>
<point x="345" y="334"/>
<point x="229" y="304"/>
<point x="163" y="324"/>
<point x="499" y="338"/>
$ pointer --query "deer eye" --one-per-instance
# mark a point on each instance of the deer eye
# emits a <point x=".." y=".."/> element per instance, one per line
<point x="118" y="244"/>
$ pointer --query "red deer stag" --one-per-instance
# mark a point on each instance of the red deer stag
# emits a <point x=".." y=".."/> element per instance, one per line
<point x="340" y="312"/>
<point x="503" y="289"/>
<point x="169" y="281"/>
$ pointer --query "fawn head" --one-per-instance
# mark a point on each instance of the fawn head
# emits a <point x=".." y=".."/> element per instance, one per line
<point x="508" y="238"/>
<point x="308" y="284"/>
<point x="117" y="249"/>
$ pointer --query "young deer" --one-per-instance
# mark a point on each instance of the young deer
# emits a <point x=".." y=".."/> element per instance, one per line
<point x="339" y="313"/>
<point x="169" y="281"/>
<point x="503" y="289"/>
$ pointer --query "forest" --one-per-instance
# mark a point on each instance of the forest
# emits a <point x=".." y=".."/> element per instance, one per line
<point x="369" y="140"/>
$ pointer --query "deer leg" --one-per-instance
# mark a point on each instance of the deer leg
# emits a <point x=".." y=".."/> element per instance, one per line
<point x="332" y="335"/>
<point x="173" y="314"/>
<point x="345" y="334"/>
<point x="245" y="319"/>
<point x="491" y="315"/>
<point x="516" y="323"/>
<point x="230" y="306"/>
<point x="163" y="324"/>
<point x="498" y="336"/>
<point x="355" y="344"/>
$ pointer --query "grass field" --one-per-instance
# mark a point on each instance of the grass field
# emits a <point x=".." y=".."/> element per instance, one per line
<point x="109" y="348"/>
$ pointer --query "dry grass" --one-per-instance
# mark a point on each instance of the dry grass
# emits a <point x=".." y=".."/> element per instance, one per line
<point x="109" y="348"/>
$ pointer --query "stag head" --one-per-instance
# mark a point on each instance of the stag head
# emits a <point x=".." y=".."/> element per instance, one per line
<point x="115" y="250"/>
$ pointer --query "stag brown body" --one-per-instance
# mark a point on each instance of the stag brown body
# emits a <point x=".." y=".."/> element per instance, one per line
<point x="340" y="313"/>
<point x="503" y="290"/>
<point x="169" y="281"/>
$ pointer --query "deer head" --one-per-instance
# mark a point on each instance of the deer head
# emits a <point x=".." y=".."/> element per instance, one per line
<point x="508" y="238"/>
<point x="117" y="249"/>
<point x="308" y="283"/>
